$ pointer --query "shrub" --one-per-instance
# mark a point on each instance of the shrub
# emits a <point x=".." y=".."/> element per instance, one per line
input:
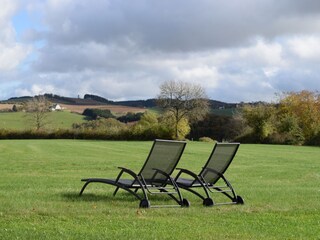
<point x="314" y="141"/>
<point x="285" y="138"/>
<point x="130" y="117"/>
<point x="248" y="138"/>
<point x="206" y="139"/>
<point x="96" y="113"/>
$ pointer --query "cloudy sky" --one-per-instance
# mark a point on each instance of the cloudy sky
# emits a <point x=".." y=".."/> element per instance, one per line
<point x="244" y="50"/>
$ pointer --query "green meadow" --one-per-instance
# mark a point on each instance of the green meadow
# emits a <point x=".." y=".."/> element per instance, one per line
<point x="40" y="183"/>
<point x="54" y="120"/>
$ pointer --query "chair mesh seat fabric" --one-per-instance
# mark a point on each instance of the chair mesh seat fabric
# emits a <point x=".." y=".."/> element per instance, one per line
<point x="219" y="160"/>
<point x="164" y="156"/>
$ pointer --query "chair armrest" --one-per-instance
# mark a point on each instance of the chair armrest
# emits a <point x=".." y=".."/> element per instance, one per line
<point x="162" y="172"/>
<point x="159" y="171"/>
<point x="130" y="172"/>
<point x="186" y="171"/>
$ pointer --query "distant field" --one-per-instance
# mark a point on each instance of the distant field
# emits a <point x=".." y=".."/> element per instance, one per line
<point x="55" y="120"/>
<point x="59" y="119"/>
<point x="117" y="110"/>
<point x="40" y="183"/>
<point x="6" y="106"/>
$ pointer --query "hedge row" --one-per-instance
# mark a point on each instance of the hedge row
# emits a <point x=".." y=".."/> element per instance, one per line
<point x="76" y="134"/>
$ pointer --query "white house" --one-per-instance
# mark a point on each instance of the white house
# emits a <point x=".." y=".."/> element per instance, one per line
<point x="55" y="107"/>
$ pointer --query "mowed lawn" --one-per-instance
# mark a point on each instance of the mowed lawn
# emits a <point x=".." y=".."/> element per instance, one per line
<point x="40" y="183"/>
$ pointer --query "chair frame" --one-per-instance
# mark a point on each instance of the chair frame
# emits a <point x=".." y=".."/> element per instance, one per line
<point x="168" y="186"/>
<point x="200" y="182"/>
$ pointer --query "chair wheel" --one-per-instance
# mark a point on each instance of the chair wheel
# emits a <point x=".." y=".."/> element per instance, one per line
<point x="144" y="203"/>
<point x="239" y="200"/>
<point x="185" y="203"/>
<point x="208" y="202"/>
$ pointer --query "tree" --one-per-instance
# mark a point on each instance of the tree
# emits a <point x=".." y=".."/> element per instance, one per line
<point x="185" y="103"/>
<point x="260" y="119"/>
<point x="303" y="106"/>
<point x="150" y="126"/>
<point x="295" y="119"/>
<point x="38" y="109"/>
<point x="14" y="108"/>
<point x="217" y="127"/>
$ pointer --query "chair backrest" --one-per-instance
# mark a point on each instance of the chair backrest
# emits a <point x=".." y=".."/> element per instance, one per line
<point x="164" y="155"/>
<point x="219" y="160"/>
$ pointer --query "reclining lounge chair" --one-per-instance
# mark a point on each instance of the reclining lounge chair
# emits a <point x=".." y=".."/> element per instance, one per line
<point x="214" y="169"/>
<point x="154" y="177"/>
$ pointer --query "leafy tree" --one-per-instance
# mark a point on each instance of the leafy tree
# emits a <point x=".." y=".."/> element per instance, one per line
<point x="288" y="130"/>
<point x="38" y="108"/>
<point x="260" y="119"/>
<point x="185" y="102"/>
<point x="147" y="126"/>
<point x="148" y="119"/>
<point x="295" y="119"/>
<point x="304" y="107"/>
<point x="14" y="108"/>
<point x="180" y="131"/>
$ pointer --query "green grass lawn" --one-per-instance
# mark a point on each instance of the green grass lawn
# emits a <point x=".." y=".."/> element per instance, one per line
<point x="40" y="182"/>
<point x="55" y="120"/>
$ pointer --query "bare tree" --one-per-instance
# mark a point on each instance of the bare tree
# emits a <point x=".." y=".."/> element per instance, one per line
<point x="183" y="100"/>
<point x="38" y="109"/>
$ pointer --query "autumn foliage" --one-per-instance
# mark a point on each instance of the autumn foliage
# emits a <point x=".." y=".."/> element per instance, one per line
<point x="295" y="119"/>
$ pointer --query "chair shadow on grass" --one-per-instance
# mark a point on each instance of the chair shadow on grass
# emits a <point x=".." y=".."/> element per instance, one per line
<point x="121" y="197"/>
<point x="89" y="197"/>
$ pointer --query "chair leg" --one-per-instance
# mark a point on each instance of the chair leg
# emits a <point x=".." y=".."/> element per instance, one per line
<point x="208" y="202"/>
<point x="185" y="203"/>
<point x="240" y="200"/>
<point x="144" y="203"/>
<point x="84" y="186"/>
<point x="115" y="191"/>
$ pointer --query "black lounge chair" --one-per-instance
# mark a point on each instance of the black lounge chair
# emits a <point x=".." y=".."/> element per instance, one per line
<point x="154" y="176"/>
<point x="214" y="169"/>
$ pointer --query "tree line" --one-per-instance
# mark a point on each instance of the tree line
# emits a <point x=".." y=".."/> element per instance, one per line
<point x="293" y="119"/>
<point x="185" y="113"/>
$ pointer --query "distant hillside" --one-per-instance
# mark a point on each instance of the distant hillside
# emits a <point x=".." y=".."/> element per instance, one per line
<point x="57" y="99"/>
<point x="17" y="99"/>
<point x="90" y="99"/>
<point x="149" y="103"/>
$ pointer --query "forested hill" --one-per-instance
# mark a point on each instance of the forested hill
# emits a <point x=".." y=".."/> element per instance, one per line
<point x="149" y="103"/>
<point x="90" y="99"/>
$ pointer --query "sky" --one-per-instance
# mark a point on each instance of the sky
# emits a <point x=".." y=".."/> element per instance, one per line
<point x="238" y="51"/>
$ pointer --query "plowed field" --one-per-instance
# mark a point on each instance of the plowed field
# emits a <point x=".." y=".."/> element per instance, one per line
<point x="113" y="108"/>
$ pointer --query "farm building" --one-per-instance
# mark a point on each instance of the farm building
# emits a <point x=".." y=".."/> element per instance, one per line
<point x="55" y="107"/>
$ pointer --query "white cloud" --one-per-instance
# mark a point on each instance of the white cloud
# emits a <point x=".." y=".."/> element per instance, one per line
<point x="306" y="47"/>
<point x="11" y="56"/>
<point x="36" y="89"/>
<point x="269" y="54"/>
<point x="11" y="52"/>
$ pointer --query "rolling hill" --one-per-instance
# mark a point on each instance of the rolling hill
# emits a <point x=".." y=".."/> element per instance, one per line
<point x="90" y="99"/>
